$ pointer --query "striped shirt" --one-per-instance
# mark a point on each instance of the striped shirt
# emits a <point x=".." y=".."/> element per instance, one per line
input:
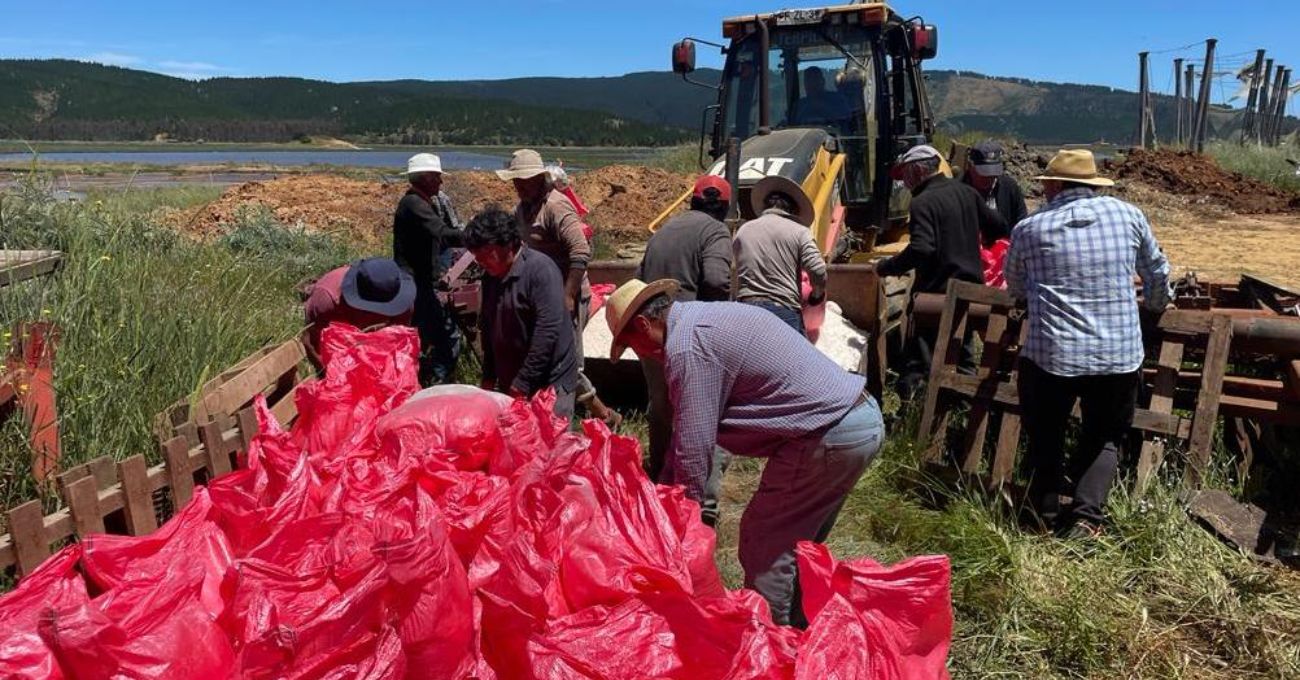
<point x="740" y="378"/>
<point x="1074" y="261"/>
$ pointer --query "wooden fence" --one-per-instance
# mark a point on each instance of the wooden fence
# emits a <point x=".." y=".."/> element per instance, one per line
<point x="198" y="442"/>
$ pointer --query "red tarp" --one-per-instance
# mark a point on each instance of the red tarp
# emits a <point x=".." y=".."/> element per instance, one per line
<point x="449" y="537"/>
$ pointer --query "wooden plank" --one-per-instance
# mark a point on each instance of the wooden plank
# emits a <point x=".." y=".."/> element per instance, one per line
<point x="247" y="422"/>
<point x="951" y="308"/>
<point x="977" y="421"/>
<point x="190" y="432"/>
<point x="1207" y="402"/>
<point x="236" y="392"/>
<point x="1256" y="388"/>
<point x="21" y="265"/>
<point x="104" y="471"/>
<point x="27" y="529"/>
<point x="286" y="410"/>
<point x="976" y="293"/>
<point x="1190" y="322"/>
<point x="140" y="518"/>
<point x="71" y="475"/>
<point x="82" y="498"/>
<point x="1284" y="413"/>
<point x="1152" y="453"/>
<point x="180" y="475"/>
<point x="1004" y="457"/>
<point x="218" y="457"/>
<point x="1291" y="376"/>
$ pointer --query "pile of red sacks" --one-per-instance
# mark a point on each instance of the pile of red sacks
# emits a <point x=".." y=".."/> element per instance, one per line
<point x="451" y="536"/>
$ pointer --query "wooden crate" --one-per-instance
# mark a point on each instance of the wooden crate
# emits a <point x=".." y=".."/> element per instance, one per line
<point x="20" y="265"/>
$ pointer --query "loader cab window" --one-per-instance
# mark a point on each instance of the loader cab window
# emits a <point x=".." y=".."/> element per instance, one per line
<point x="819" y="76"/>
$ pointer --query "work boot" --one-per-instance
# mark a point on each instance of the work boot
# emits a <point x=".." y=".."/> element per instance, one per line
<point x="598" y="410"/>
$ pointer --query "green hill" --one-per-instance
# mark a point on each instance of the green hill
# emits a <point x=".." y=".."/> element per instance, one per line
<point x="59" y="99"/>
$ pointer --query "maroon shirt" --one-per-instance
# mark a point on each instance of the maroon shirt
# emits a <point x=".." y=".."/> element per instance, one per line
<point x="325" y="305"/>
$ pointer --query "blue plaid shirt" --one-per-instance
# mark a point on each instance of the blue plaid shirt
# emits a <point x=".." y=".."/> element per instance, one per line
<point x="1074" y="261"/>
<point x="742" y="379"/>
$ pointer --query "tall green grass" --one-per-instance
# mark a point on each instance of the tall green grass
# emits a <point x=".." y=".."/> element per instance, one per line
<point x="1265" y="163"/>
<point x="147" y="315"/>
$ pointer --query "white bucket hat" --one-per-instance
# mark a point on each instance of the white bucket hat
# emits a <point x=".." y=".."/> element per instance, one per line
<point x="423" y="162"/>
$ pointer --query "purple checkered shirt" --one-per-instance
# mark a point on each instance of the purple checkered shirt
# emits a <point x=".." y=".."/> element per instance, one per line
<point x="741" y="378"/>
<point x="1074" y="261"/>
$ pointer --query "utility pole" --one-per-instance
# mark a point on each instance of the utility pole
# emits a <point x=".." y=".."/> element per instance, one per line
<point x="1203" y="101"/>
<point x="1275" y="130"/>
<point x="1178" y="100"/>
<point x="1144" y="102"/>
<point x="1261" y="106"/>
<point x="1273" y="99"/>
<point x="1256" y="74"/>
<point x="1189" y="117"/>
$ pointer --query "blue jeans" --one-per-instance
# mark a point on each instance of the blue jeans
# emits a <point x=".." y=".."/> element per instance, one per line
<point x="792" y="317"/>
<point x="799" y="498"/>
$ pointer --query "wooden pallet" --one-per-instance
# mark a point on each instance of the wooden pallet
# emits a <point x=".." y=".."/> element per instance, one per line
<point x="129" y="497"/>
<point x="992" y="393"/>
<point x="20" y="265"/>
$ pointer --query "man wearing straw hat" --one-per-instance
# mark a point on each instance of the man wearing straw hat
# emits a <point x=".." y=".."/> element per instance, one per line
<point x="738" y="378"/>
<point x="1073" y="263"/>
<point x="423" y="226"/>
<point x="549" y="224"/>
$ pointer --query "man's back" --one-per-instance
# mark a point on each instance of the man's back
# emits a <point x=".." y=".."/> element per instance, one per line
<point x="946" y="216"/>
<point x="695" y="250"/>
<point x="1074" y="262"/>
<point x="771" y="250"/>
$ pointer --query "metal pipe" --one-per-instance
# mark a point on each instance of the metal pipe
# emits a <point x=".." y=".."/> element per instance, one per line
<point x="764" y="73"/>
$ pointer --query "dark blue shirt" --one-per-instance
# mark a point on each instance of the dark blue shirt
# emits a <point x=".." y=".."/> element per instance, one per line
<point x="527" y="333"/>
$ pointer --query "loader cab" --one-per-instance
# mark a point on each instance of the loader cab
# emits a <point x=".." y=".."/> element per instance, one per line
<point x="853" y="71"/>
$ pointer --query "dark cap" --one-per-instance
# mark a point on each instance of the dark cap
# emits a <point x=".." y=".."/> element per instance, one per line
<point x="706" y="182"/>
<point x="377" y="285"/>
<point x="987" y="157"/>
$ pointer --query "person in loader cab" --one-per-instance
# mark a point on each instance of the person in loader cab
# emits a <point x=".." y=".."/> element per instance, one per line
<point x="369" y="292"/>
<point x="947" y="221"/>
<point x="1073" y="263"/>
<point x="986" y="174"/>
<point x="423" y="227"/>
<point x="549" y="224"/>
<point x="738" y="378"/>
<point x="526" y="327"/>
<point x="819" y="105"/>
<point x="693" y="249"/>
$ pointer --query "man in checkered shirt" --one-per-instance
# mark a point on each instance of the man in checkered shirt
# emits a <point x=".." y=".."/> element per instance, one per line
<point x="1073" y="262"/>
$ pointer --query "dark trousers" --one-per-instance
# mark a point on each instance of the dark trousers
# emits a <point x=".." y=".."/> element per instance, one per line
<point x="918" y="354"/>
<point x="439" y="338"/>
<point x="792" y="317"/>
<point x="1046" y="400"/>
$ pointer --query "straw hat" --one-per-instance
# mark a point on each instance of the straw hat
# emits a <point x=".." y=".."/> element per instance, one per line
<point x="423" y="162"/>
<point x="624" y="303"/>
<point x="803" y="212"/>
<point x="1075" y="165"/>
<point x="523" y="164"/>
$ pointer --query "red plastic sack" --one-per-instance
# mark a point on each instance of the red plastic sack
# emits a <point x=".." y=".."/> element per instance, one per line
<point x="480" y="524"/>
<point x="52" y="589"/>
<point x="872" y="621"/>
<point x="994" y="259"/>
<point x="459" y="431"/>
<point x="142" y="629"/>
<point x="599" y="293"/>
<point x="190" y="536"/>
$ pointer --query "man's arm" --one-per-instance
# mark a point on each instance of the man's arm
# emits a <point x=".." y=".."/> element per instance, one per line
<point x="421" y="215"/>
<point x="546" y="294"/>
<point x="698" y="389"/>
<point x="715" y="264"/>
<point x="1153" y="267"/>
<point x="568" y="229"/>
<point x="811" y="261"/>
<point x="1013" y="267"/>
<point x="920" y="245"/>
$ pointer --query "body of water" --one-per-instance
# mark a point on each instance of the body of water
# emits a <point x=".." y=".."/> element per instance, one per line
<point x="394" y="160"/>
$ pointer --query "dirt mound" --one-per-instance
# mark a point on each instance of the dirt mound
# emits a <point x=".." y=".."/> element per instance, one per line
<point x="1186" y="173"/>
<point x="361" y="210"/>
<point x="623" y="200"/>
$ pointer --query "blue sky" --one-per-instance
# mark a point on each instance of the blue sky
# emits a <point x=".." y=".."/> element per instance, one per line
<point x="1090" y="42"/>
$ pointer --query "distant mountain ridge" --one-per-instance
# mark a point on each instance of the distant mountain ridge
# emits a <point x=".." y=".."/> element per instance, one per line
<point x="60" y="99"/>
